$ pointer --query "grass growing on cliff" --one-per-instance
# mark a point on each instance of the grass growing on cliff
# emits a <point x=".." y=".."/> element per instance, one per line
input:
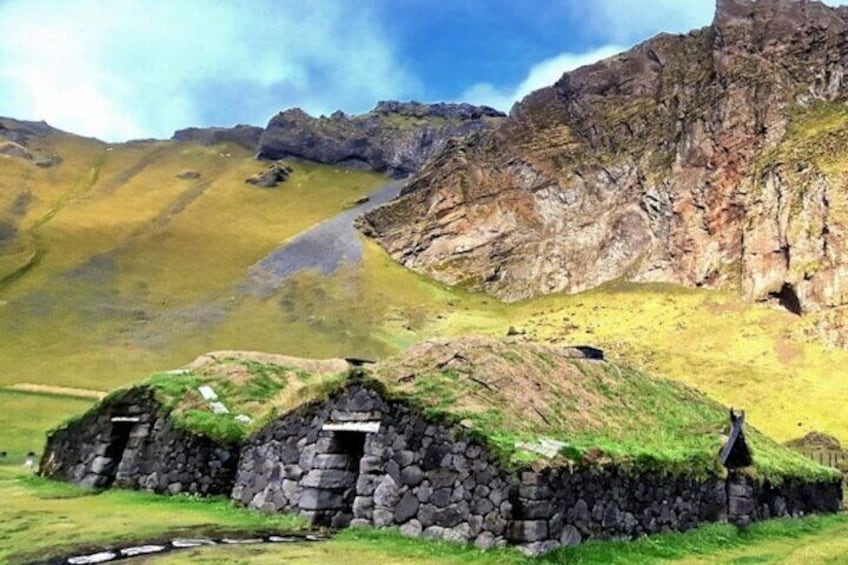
<point x="40" y="518"/>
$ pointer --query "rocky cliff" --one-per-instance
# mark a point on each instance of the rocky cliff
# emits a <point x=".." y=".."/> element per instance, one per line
<point x="394" y="137"/>
<point x="714" y="159"/>
<point x="22" y="132"/>
<point x="243" y="135"/>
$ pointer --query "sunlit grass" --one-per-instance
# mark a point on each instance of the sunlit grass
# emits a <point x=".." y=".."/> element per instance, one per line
<point x="168" y="259"/>
<point x="25" y="417"/>
<point x="40" y="518"/>
<point x="784" y="541"/>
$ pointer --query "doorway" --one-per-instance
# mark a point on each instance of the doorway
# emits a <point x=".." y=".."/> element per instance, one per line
<point x="119" y="437"/>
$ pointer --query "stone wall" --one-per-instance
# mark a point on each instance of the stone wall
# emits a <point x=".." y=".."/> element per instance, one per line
<point x="560" y="507"/>
<point x="748" y="500"/>
<point x="130" y="441"/>
<point x="360" y="459"/>
<point x="426" y="478"/>
<point x="434" y="481"/>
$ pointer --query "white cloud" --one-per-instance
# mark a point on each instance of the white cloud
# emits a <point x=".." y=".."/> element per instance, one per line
<point x="119" y="70"/>
<point x="629" y="21"/>
<point x="542" y="74"/>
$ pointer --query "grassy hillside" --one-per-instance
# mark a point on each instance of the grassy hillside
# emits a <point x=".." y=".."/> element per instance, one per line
<point x="138" y="271"/>
<point x="755" y="357"/>
<point x="136" y="268"/>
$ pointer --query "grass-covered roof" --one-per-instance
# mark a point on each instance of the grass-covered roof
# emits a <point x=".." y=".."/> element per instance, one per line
<point x="512" y="394"/>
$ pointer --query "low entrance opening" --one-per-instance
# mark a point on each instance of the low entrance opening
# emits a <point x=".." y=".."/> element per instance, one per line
<point x="341" y="472"/>
<point x="351" y="444"/>
<point x="119" y="437"/>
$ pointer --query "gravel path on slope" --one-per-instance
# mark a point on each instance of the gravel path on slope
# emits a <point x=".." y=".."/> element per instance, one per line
<point x="324" y="247"/>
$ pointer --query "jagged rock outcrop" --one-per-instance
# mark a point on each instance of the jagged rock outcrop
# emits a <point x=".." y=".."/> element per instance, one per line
<point x="394" y="137"/>
<point x="21" y="132"/>
<point x="242" y="135"/>
<point x="12" y="149"/>
<point x="271" y="176"/>
<point x="714" y="159"/>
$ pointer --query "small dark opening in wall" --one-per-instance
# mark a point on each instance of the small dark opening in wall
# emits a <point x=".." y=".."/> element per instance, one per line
<point x="351" y="444"/>
<point x="788" y="298"/>
<point x="118" y="440"/>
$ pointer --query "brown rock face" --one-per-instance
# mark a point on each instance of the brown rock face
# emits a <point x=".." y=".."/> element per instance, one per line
<point x="708" y="159"/>
<point x="395" y="137"/>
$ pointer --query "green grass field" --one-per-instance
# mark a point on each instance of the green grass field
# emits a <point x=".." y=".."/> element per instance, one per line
<point x="139" y="271"/>
<point x="787" y="542"/>
<point x="25" y="417"/>
<point x="41" y="519"/>
<point x="117" y="269"/>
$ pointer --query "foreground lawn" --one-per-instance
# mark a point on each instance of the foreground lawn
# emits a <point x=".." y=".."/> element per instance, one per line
<point x="39" y="518"/>
<point x="810" y="540"/>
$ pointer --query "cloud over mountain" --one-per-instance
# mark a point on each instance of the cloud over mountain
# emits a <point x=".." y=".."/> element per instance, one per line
<point x="123" y="70"/>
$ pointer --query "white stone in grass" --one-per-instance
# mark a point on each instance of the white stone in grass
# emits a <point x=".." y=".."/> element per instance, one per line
<point x="231" y="541"/>
<point x="543" y="446"/>
<point x="142" y="550"/>
<point x="101" y="557"/>
<point x="284" y="539"/>
<point x="243" y="419"/>
<point x="184" y="543"/>
<point x="207" y="393"/>
<point x="218" y="408"/>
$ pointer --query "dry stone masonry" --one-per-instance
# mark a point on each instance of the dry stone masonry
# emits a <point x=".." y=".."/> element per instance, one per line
<point x="131" y="442"/>
<point x="359" y="458"/>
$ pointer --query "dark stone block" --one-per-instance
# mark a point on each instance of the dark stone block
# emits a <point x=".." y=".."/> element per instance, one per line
<point x="482" y="506"/>
<point x="450" y="516"/>
<point x="525" y="531"/>
<point x="370" y="464"/>
<point x="333" y="461"/>
<point x="407" y="507"/>
<point x="441" y="497"/>
<point x="320" y="499"/>
<point x="404" y="457"/>
<point x="534" y="492"/>
<point x="329" y="479"/>
<point x="737" y="506"/>
<point x="411" y="476"/>
<point x="441" y="478"/>
<point x="427" y="515"/>
<point x="534" y="509"/>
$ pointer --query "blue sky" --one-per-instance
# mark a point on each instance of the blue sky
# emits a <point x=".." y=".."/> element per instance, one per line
<point x="143" y="68"/>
